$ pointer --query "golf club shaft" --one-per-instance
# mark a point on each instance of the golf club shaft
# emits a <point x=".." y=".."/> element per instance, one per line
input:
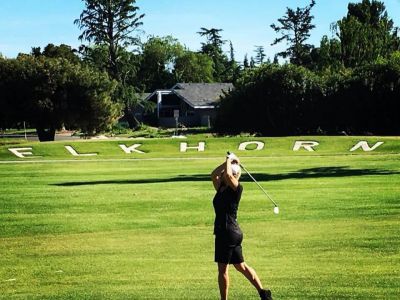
<point x="259" y="185"/>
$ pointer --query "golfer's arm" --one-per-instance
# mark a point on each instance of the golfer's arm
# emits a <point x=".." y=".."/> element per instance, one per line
<point x="216" y="176"/>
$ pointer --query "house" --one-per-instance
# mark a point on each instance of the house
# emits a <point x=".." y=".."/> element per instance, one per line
<point x="189" y="104"/>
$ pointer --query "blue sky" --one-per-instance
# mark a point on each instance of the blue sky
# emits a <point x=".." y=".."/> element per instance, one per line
<point x="36" y="23"/>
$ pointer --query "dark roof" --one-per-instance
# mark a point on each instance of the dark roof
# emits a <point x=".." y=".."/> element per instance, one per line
<point x="200" y="95"/>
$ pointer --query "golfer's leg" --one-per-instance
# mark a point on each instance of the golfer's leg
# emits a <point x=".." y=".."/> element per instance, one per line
<point x="223" y="280"/>
<point x="250" y="274"/>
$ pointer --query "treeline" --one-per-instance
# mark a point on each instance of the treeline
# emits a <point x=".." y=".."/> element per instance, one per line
<point x="348" y="83"/>
<point x="277" y="100"/>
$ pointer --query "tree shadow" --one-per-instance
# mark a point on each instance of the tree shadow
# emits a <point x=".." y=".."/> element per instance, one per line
<point x="326" y="172"/>
<point x="323" y="172"/>
<point x="180" y="178"/>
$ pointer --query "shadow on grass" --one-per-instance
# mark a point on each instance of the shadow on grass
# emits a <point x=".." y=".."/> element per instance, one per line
<point x="324" y="172"/>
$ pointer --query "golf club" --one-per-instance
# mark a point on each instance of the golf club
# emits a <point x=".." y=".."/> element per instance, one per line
<point x="276" y="207"/>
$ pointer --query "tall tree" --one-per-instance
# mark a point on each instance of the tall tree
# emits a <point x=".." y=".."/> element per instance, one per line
<point x="260" y="55"/>
<point x="213" y="48"/>
<point x="246" y="63"/>
<point x="213" y="37"/>
<point x="111" y="23"/>
<point x="252" y="63"/>
<point x="233" y="69"/>
<point x="295" y="27"/>
<point x="366" y="33"/>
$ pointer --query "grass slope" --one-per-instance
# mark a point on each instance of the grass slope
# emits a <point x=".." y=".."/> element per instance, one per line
<point x="142" y="229"/>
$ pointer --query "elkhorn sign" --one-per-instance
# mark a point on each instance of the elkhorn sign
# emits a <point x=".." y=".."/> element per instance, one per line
<point x="309" y="146"/>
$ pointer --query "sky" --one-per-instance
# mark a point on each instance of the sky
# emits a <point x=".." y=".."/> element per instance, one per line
<point x="35" y="23"/>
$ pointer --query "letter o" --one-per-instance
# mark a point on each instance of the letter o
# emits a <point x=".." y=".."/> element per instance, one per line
<point x="243" y="146"/>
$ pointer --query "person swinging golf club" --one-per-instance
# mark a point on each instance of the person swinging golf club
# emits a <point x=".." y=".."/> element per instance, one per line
<point x="228" y="235"/>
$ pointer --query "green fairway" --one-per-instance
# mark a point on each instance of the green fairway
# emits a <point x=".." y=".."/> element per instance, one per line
<point x="138" y="226"/>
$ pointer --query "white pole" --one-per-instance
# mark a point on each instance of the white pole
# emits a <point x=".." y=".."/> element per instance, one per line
<point x="25" y="131"/>
<point x="159" y="99"/>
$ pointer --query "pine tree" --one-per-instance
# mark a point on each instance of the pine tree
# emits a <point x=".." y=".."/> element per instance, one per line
<point x="110" y="23"/>
<point x="260" y="55"/>
<point x="366" y="33"/>
<point x="246" y="64"/>
<point x="295" y="29"/>
<point x="213" y="48"/>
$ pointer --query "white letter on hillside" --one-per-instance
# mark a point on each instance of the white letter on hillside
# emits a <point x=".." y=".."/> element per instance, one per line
<point x="243" y="146"/>
<point x="131" y="149"/>
<point x="364" y="145"/>
<point x="308" y="145"/>
<point x="74" y="153"/>
<point x="17" y="151"/>
<point x="200" y="147"/>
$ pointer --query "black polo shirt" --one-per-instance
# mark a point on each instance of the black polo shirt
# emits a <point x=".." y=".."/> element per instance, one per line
<point x="226" y="204"/>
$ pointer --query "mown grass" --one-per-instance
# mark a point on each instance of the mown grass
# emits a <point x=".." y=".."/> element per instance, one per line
<point x="142" y="229"/>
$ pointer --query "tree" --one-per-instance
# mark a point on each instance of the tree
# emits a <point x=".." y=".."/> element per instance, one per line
<point x="272" y="100"/>
<point x="96" y="56"/>
<point x="260" y="55"/>
<point x="213" y="38"/>
<point x="366" y="33"/>
<point x="110" y="23"/>
<point x="128" y="88"/>
<point x="246" y="63"/>
<point x="295" y="29"/>
<point x="157" y="62"/>
<point x="213" y="48"/>
<point x="51" y="93"/>
<point x="62" y="51"/>
<point x="327" y="56"/>
<point x="193" y="67"/>
<point x="233" y="70"/>
<point x="252" y="63"/>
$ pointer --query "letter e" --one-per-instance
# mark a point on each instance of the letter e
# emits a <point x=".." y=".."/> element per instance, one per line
<point x="21" y="152"/>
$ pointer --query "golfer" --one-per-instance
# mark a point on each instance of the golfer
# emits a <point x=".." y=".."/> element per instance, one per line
<point x="228" y="235"/>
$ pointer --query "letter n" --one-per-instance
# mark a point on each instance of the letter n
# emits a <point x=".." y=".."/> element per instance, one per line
<point x="364" y="145"/>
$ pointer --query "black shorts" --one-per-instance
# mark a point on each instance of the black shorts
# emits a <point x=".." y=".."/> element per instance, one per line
<point x="228" y="247"/>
